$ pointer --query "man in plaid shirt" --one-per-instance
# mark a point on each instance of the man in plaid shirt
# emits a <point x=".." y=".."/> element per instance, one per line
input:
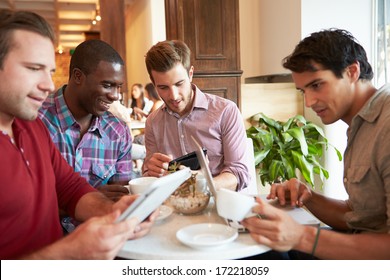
<point x="92" y="140"/>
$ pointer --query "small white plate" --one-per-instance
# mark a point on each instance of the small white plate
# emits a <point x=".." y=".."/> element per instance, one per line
<point x="165" y="212"/>
<point x="206" y="236"/>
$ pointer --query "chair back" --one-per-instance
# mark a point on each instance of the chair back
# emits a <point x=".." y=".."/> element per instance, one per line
<point x="250" y="159"/>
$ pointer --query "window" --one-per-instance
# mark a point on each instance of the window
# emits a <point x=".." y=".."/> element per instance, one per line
<point x="381" y="42"/>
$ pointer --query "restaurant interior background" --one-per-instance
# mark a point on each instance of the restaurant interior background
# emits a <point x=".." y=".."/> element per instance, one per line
<point x="268" y="31"/>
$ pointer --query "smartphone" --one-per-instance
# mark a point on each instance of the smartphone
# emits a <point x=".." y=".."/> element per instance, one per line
<point x="189" y="160"/>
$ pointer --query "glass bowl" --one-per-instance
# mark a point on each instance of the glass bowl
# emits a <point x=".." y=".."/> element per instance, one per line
<point x="192" y="197"/>
<point x="190" y="204"/>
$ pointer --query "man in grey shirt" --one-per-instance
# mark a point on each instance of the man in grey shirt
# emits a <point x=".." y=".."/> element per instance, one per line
<point x="332" y="71"/>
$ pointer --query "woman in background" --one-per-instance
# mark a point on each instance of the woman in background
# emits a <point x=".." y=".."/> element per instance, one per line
<point x="139" y="103"/>
<point x="151" y="93"/>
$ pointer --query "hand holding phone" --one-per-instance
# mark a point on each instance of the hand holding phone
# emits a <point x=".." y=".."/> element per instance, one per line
<point x="189" y="160"/>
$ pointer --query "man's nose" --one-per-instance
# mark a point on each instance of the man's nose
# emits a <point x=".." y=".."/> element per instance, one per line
<point x="47" y="84"/>
<point x="174" y="92"/>
<point x="114" y="94"/>
<point x="310" y="99"/>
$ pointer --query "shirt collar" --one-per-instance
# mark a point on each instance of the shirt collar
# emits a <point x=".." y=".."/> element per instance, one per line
<point x="376" y="101"/>
<point x="200" y="99"/>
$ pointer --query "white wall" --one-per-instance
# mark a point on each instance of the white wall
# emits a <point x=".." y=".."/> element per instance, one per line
<point x="269" y="29"/>
<point x="359" y="23"/>
<point x="145" y="26"/>
<point x="250" y="39"/>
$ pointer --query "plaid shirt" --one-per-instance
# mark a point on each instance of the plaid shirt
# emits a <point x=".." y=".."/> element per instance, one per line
<point x="104" y="152"/>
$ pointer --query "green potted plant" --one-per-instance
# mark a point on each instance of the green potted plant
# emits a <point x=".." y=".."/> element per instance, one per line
<point x="283" y="148"/>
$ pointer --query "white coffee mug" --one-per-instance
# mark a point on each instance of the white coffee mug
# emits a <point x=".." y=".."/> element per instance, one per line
<point x="139" y="185"/>
<point x="201" y="183"/>
<point x="233" y="205"/>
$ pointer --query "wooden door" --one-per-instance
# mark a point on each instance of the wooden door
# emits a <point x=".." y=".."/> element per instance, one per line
<point x="210" y="28"/>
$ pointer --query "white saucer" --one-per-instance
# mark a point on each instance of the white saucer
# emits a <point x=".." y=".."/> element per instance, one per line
<point x="165" y="212"/>
<point x="206" y="236"/>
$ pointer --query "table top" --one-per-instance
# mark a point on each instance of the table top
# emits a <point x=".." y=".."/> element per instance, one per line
<point x="136" y="124"/>
<point x="161" y="243"/>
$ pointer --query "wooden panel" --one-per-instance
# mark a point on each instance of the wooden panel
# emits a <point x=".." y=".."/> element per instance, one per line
<point x="210" y="28"/>
<point x="92" y="35"/>
<point x="112" y="27"/>
<point x="221" y="86"/>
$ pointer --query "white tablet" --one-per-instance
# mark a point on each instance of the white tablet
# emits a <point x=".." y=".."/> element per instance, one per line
<point x="155" y="195"/>
<point x="205" y="167"/>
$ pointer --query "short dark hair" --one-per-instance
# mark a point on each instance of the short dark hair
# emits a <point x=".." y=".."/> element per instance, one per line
<point x="165" y="55"/>
<point x="88" y="55"/>
<point x="20" y="20"/>
<point x="334" y="49"/>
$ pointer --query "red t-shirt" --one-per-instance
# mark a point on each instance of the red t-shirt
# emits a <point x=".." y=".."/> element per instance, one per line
<point x="34" y="182"/>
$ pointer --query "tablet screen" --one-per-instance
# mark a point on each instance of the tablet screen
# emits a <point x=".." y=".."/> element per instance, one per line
<point x="155" y="195"/>
<point x="205" y="168"/>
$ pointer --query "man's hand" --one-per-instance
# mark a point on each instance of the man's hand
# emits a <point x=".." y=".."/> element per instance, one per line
<point x="273" y="227"/>
<point x="157" y="165"/>
<point x="144" y="227"/>
<point x="113" y="192"/>
<point x="292" y="190"/>
<point x="97" y="238"/>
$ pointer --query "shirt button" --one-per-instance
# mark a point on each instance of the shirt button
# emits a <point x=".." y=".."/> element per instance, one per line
<point x="182" y="136"/>
<point x="21" y="149"/>
<point x="28" y="163"/>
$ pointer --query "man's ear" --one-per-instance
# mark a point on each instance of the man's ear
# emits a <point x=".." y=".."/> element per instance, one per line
<point x="353" y="71"/>
<point x="191" y="73"/>
<point x="77" y="75"/>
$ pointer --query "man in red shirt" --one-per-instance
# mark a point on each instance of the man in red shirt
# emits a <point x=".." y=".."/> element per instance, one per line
<point x="35" y="180"/>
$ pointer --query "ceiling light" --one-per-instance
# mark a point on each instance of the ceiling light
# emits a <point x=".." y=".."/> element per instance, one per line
<point x="98" y="17"/>
<point x="60" y="49"/>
